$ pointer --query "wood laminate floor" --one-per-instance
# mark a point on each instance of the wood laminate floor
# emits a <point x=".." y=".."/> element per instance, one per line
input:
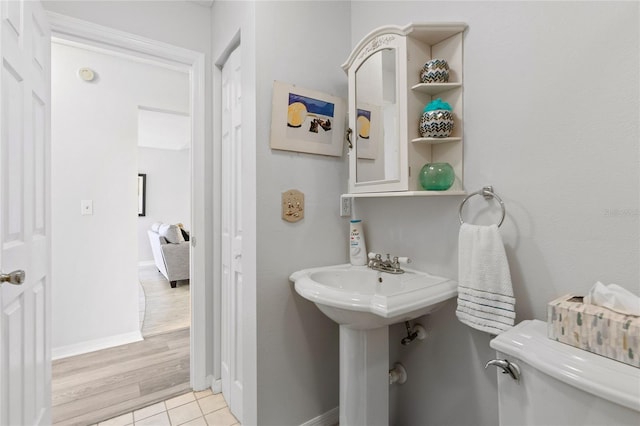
<point x="99" y="385"/>
<point x="163" y="308"/>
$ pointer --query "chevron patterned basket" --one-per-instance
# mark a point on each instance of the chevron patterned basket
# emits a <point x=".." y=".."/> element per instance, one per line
<point x="436" y="124"/>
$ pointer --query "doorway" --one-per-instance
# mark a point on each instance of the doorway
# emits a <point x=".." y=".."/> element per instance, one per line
<point x="101" y="38"/>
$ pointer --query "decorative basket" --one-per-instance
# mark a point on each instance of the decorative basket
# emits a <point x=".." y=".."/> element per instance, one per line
<point x="436" y="124"/>
<point x="435" y="71"/>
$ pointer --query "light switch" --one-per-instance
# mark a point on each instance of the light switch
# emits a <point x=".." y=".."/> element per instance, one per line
<point x="86" y="207"/>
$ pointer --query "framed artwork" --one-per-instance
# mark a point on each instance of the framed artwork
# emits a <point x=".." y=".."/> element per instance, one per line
<point x="368" y="130"/>
<point x="142" y="194"/>
<point x="305" y="120"/>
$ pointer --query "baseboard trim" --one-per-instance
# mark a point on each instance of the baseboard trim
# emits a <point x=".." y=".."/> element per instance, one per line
<point x="143" y="263"/>
<point x="216" y="386"/>
<point x="330" y="418"/>
<point x="95" y="345"/>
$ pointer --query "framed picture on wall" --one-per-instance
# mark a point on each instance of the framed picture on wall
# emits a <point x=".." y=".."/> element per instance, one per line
<point x="305" y="120"/>
<point x="142" y="194"/>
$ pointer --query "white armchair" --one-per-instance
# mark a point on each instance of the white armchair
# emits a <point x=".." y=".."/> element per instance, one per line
<point x="170" y="252"/>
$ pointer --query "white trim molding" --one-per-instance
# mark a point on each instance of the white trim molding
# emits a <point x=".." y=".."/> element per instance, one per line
<point x="330" y="418"/>
<point x="70" y="30"/>
<point x="112" y="40"/>
<point x="95" y="345"/>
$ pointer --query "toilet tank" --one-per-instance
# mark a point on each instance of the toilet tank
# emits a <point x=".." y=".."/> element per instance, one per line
<point x="562" y="385"/>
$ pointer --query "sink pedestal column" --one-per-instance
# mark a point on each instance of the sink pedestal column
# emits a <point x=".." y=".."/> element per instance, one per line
<point x="364" y="377"/>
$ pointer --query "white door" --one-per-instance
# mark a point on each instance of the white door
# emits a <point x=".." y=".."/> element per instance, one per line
<point x="25" y="344"/>
<point x="231" y="350"/>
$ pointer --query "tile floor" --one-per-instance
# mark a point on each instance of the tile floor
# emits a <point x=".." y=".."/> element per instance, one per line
<point x="191" y="409"/>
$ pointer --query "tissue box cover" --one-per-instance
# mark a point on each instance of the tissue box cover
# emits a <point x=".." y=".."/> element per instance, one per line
<point x="595" y="329"/>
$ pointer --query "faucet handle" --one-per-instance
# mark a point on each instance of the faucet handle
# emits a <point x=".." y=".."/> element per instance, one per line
<point x="397" y="261"/>
<point x="373" y="255"/>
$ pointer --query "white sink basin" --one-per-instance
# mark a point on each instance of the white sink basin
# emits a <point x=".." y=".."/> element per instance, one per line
<point x="360" y="298"/>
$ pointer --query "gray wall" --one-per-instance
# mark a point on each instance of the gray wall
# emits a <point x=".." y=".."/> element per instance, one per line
<point x="297" y="346"/>
<point x="301" y="43"/>
<point x="534" y="128"/>
<point x="537" y="127"/>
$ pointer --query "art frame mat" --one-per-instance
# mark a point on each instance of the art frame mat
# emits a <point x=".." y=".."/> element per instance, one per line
<point x="367" y="148"/>
<point x="305" y="120"/>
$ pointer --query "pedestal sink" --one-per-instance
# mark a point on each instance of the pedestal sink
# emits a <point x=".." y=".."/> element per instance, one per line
<point x="364" y="302"/>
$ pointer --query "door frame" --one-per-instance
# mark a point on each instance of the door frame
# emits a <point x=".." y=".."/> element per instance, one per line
<point x="116" y="41"/>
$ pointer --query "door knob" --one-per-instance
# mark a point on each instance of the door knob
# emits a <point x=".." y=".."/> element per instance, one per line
<point x="15" y="277"/>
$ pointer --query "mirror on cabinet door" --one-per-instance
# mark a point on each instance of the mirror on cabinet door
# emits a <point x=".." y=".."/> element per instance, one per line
<point x="377" y="91"/>
<point x="376" y="124"/>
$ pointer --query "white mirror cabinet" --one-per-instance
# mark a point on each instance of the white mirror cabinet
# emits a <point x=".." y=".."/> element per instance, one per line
<point x="386" y="101"/>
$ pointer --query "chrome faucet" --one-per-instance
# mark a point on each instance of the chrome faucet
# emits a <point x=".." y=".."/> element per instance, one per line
<point x="389" y="265"/>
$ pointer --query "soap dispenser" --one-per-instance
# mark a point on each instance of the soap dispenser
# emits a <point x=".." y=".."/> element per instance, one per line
<point x="357" y="246"/>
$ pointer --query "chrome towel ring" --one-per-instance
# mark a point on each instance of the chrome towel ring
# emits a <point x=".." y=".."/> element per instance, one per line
<point x="487" y="193"/>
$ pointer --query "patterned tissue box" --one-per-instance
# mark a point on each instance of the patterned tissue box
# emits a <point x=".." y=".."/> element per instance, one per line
<point x="594" y="329"/>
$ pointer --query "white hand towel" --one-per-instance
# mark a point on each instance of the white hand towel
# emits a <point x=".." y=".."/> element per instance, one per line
<point x="485" y="293"/>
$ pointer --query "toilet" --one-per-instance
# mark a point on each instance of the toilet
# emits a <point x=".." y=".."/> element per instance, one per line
<point x="559" y="384"/>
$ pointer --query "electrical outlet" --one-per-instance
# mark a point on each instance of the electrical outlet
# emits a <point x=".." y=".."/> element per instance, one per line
<point x="345" y="206"/>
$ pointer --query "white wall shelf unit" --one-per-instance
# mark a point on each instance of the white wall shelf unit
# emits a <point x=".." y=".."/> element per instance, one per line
<point x="415" y="44"/>
<point x="433" y="141"/>
<point x="435" y="88"/>
<point x="405" y="194"/>
<point x="425" y="42"/>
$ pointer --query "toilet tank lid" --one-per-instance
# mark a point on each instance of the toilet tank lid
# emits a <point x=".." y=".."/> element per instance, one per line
<point x="606" y="378"/>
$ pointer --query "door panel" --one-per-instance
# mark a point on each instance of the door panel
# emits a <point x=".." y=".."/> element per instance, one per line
<point x="25" y="347"/>
<point x="12" y="153"/>
<point x="231" y="351"/>
<point x="39" y="149"/>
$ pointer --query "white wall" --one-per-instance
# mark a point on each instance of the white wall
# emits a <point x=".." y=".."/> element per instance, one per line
<point x="187" y="25"/>
<point x="176" y="22"/>
<point x="168" y="197"/>
<point x="95" y="157"/>
<point x="557" y="136"/>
